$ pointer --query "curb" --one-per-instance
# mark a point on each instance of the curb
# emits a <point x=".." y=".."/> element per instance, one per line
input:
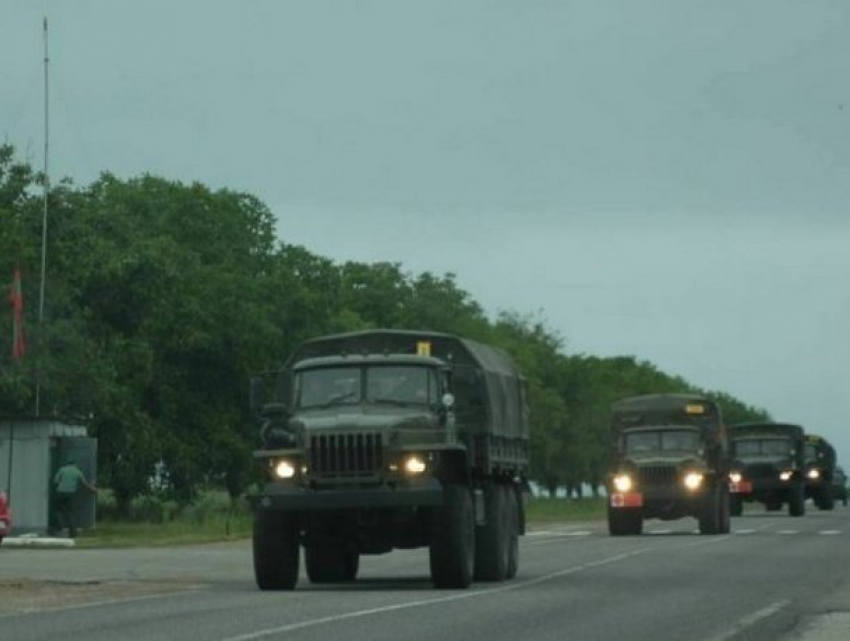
<point x="37" y="542"/>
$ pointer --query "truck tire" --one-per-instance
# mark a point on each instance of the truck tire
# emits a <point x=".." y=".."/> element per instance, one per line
<point x="736" y="505"/>
<point x="709" y="511"/>
<point x="826" y="499"/>
<point x="512" y="503"/>
<point x="725" y="509"/>
<point x="624" y="521"/>
<point x="797" y="500"/>
<point x="452" y="550"/>
<point x="492" y="538"/>
<point x="332" y="562"/>
<point x="276" y="550"/>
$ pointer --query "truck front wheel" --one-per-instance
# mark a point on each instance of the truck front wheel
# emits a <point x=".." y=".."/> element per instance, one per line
<point x="624" y="521"/>
<point x="709" y="511"/>
<point x="826" y="499"/>
<point x="736" y="505"/>
<point x="276" y="550"/>
<point x="797" y="500"/>
<point x="452" y="551"/>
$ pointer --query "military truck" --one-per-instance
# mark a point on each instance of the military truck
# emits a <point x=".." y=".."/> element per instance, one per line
<point x="819" y="459"/>
<point x="668" y="461"/>
<point x="380" y="440"/>
<point x="767" y="466"/>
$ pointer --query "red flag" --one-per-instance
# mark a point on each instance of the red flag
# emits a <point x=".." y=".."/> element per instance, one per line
<point x="16" y="297"/>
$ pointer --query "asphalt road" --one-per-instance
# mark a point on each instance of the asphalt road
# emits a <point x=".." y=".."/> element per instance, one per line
<point x="773" y="577"/>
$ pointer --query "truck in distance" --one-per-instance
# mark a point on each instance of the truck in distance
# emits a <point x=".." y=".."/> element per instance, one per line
<point x="819" y="459"/>
<point x="668" y="461"/>
<point x="767" y="466"/>
<point x="385" y="439"/>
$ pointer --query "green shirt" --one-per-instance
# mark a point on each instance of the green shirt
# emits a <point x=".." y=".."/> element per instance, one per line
<point x="68" y="479"/>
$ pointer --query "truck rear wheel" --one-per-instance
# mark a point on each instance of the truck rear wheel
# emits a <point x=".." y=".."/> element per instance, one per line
<point x="709" y="511"/>
<point x="492" y="539"/>
<point x="624" y="521"/>
<point x="736" y="505"/>
<point x="452" y="551"/>
<point x="797" y="500"/>
<point x="513" y="531"/>
<point x="276" y="550"/>
<point x="332" y="562"/>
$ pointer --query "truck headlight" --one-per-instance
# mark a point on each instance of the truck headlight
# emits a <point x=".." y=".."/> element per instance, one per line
<point x="735" y="477"/>
<point x="284" y="469"/>
<point x="623" y="483"/>
<point x="786" y="475"/>
<point x="814" y="474"/>
<point x="693" y="480"/>
<point x="415" y="464"/>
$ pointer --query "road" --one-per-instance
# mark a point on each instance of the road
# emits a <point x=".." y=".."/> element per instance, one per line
<point x="773" y="577"/>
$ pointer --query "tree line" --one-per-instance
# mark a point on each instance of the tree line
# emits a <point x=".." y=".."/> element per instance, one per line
<point x="163" y="298"/>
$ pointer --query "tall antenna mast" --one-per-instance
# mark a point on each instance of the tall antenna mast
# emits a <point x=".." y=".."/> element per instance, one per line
<point x="46" y="185"/>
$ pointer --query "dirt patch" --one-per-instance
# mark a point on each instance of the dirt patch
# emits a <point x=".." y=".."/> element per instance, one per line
<point x="25" y="595"/>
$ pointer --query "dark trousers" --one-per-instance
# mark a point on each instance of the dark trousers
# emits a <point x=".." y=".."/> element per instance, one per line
<point x="65" y="513"/>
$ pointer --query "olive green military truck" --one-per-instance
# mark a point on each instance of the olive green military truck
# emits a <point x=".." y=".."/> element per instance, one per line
<point x="382" y="440"/>
<point x="668" y="461"/>
<point x="819" y="459"/>
<point x="767" y="466"/>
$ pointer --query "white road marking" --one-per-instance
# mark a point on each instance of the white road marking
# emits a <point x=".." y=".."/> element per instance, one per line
<point x="752" y="619"/>
<point x="788" y="531"/>
<point x="471" y="594"/>
<point x="660" y="532"/>
<point x="743" y="531"/>
<point x="829" y="532"/>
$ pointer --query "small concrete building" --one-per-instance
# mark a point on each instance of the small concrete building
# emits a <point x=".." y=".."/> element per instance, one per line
<point x="31" y="450"/>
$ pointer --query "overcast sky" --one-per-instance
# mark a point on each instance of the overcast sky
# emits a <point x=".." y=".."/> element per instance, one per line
<point x="668" y="179"/>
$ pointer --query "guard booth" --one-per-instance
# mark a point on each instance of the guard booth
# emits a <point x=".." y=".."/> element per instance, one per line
<point x="31" y="450"/>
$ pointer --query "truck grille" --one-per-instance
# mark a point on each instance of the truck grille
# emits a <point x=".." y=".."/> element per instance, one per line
<point x="762" y="471"/>
<point x="659" y="475"/>
<point x="346" y="455"/>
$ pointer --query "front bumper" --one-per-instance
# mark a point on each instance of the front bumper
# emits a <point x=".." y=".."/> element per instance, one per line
<point x="426" y="492"/>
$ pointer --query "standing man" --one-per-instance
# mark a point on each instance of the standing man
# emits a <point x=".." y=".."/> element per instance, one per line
<point x="67" y="482"/>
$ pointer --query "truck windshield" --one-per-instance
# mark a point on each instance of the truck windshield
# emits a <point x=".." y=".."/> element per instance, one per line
<point x="327" y="386"/>
<point x="810" y="453"/>
<point x="399" y="384"/>
<point x="391" y="384"/>
<point x="662" y="440"/>
<point x="762" y="447"/>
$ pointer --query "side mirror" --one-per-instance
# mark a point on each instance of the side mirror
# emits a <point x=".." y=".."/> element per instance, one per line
<point x="256" y="395"/>
<point x="274" y="411"/>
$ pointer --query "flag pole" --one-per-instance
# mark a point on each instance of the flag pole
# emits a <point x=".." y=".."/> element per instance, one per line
<point x="46" y="186"/>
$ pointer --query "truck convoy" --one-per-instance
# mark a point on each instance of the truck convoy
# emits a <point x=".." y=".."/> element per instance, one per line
<point x="380" y="440"/>
<point x="668" y="460"/>
<point x="767" y="466"/>
<point x="819" y="459"/>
